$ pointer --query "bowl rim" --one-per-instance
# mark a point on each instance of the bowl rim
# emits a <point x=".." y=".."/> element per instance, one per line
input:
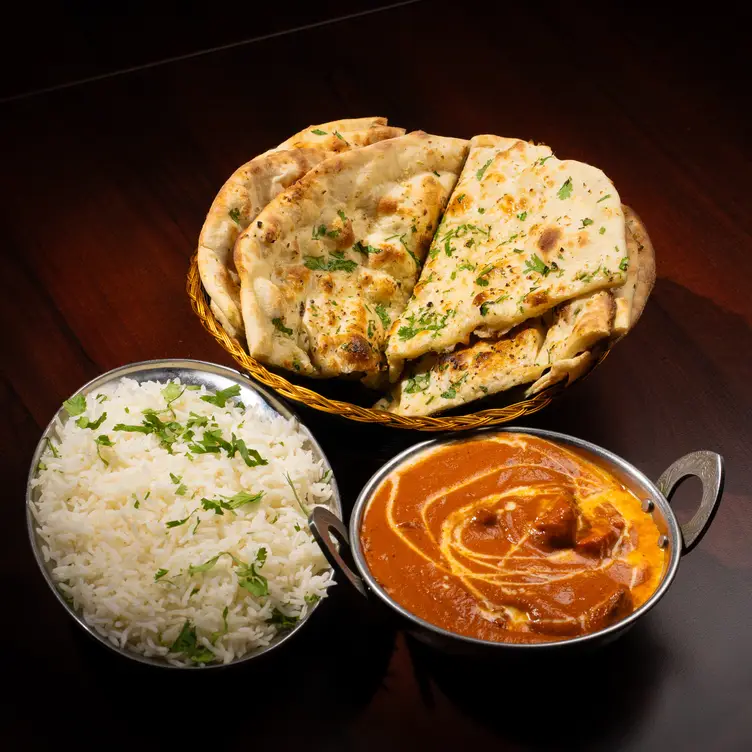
<point x="139" y="367"/>
<point x="640" y="480"/>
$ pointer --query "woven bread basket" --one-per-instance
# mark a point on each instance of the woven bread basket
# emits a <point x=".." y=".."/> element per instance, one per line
<point x="249" y="365"/>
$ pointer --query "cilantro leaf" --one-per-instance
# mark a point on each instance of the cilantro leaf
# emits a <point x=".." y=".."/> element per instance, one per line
<point x="365" y="249"/>
<point x="176" y="478"/>
<point x="335" y="262"/>
<point x="522" y="216"/>
<point x="311" y="599"/>
<point x="235" y="215"/>
<point x="243" y="497"/>
<point x="341" y="215"/>
<point x="220" y="398"/>
<point x="479" y="174"/>
<point x="339" y="136"/>
<point x="75" y="405"/>
<point x="206" y="566"/>
<point x="216" y="635"/>
<point x="297" y="498"/>
<point x="382" y="313"/>
<point x="84" y="422"/>
<point x="101" y="441"/>
<point x="566" y="189"/>
<point x="418" y="383"/>
<point x="485" y="306"/>
<point x="215" y="505"/>
<point x="585" y="222"/>
<point x="602" y="231"/>
<point x="172" y="391"/>
<point x="608" y="195"/>
<point x="280" y="326"/>
<point x="624" y="264"/>
<point x="160" y="573"/>
<point x="318" y="132"/>
<point x="181" y="489"/>
<point x="187" y="643"/>
<point x="250" y="456"/>
<point x="52" y="448"/>
<point x="282" y="620"/>
<point x="535" y="264"/>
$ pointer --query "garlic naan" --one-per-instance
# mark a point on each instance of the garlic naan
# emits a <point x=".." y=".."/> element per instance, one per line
<point x="523" y="232"/>
<point x="330" y="263"/>
<point x="439" y="382"/>
<point x="251" y="187"/>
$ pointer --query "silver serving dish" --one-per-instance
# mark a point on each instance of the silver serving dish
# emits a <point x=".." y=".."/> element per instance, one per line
<point x="678" y="539"/>
<point x="196" y="372"/>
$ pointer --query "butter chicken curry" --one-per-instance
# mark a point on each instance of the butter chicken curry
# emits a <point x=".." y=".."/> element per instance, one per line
<point x="511" y="538"/>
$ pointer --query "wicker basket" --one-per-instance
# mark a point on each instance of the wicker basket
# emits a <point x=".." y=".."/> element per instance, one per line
<point x="490" y="417"/>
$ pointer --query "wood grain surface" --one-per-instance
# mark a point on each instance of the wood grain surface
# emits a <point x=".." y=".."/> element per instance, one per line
<point x="105" y="188"/>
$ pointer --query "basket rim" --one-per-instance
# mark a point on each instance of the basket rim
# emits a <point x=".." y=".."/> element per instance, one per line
<point x="256" y="370"/>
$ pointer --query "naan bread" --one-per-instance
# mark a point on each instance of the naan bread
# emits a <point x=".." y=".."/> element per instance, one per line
<point x="330" y="263"/>
<point x="641" y="273"/>
<point x="440" y="382"/>
<point x="251" y="187"/>
<point x="523" y="232"/>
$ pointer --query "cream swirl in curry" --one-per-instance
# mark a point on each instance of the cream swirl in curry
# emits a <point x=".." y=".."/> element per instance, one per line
<point x="511" y="538"/>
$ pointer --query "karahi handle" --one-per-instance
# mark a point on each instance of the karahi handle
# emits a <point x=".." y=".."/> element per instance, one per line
<point x="322" y="522"/>
<point x="708" y="467"/>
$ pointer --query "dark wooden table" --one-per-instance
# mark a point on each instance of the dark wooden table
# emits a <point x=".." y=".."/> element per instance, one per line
<point x="105" y="187"/>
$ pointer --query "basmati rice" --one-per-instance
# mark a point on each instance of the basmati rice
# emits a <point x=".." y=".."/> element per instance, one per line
<point x="103" y="511"/>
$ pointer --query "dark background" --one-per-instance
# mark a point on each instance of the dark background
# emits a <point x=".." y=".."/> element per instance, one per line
<point x="117" y="131"/>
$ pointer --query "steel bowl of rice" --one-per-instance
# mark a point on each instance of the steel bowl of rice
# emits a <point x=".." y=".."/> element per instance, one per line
<point x="167" y="507"/>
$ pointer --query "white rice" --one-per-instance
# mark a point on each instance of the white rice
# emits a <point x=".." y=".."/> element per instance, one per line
<point x="104" y="526"/>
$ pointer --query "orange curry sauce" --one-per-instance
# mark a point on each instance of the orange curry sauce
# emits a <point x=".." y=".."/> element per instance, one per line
<point x="511" y="538"/>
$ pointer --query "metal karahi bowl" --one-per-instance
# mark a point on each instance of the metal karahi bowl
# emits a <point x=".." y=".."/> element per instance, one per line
<point x="675" y="538"/>
<point x="199" y="373"/>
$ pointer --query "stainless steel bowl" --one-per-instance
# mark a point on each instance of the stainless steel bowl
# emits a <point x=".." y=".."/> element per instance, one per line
<point x="196" y="372"/>
<point x="677" y="539"/>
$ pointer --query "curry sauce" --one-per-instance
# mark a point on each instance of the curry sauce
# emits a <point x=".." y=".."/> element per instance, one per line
<point x="511" y="538"/>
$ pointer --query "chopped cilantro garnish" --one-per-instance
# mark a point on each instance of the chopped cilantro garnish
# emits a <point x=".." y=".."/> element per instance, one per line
<point x="220" y="398"/>
<point x="318" y="132"/>
<point x="341" y="215"/>
<point x="485" y="306"/>
<point x="608" y="195"/>
<point x="535" y="264"/>
<point x="181" y="489"/>
<point x="187" y="643"/>
<point x="280" y="326"/>
<point x="295" y="493"/>
<point x="176" y="478"/>
<point x="101" y="441"/>
<point x="339" y="136"/>
<point x="178" y="523"/>
<point x="418" y="383"/>
<point x="522" y="216"/>
<point x="365" y="249"/>
<point x="383" y="314"/>
<point x="282" y="620"/>
<point x="566" y="189"/>
<point x="624" y="264"/>
<point x="335" y="262"/>
<point x="160" y="573"/>
<point x="101" y="398"/>
<point x="84" y="422"/>
<point x="235" y="215"/>
<point x="587" y="221"/>
<point x="479" y="174"/>
<point x="602" y="231"/>
<point x="436" y="173"/>
<point x="75" y="405"/>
